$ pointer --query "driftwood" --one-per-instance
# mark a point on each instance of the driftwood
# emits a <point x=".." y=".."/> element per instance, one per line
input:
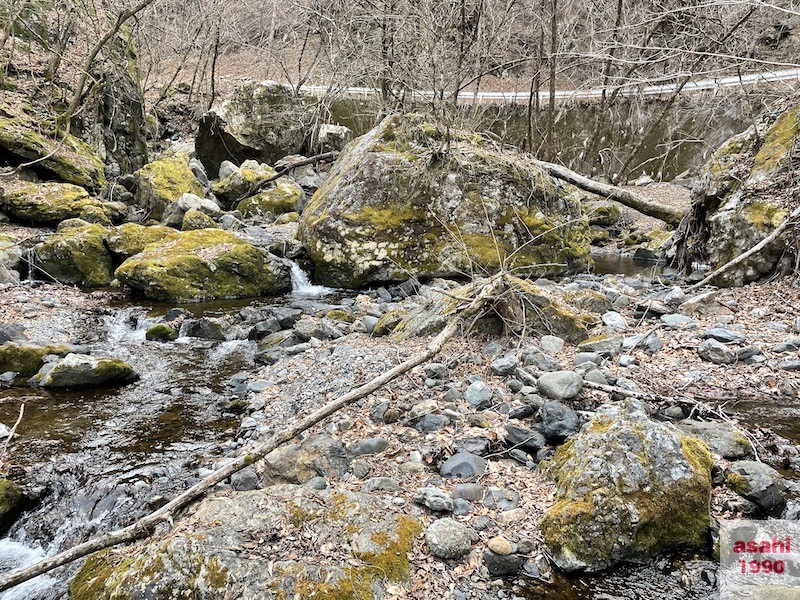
<point x="144" y="526"/>
<point x="260" y="185"/>
<point x="745" y="255"/>
<point x="669" y="214"/>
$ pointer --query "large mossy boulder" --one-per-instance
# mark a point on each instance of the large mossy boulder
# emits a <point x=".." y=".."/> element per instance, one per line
<point x="164" y="181"/>
<point x="26" y="359"/>
<point x="405" y="200"/>
<point x="747" y="189"/>
<point x="520" y="305"/>
<point x="64" y="157"/>
<point x="76" y="255"/>
<point x="203" y="557"/>
<point x="82" y="370"/>
<point x="51" y="203"/>
<point x="260" y="121"/>
<point x="627" y="488"/>
<point x="203" y="265"/>
<point x="132" y="238"/>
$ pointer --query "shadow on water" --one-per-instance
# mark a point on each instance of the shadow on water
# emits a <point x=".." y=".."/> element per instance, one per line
<point x="614" y="263"/>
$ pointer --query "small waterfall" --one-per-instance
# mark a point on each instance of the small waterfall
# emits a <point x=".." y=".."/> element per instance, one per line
<point x="29" y="258"/>
<point x="301" y="286"/>
<point x="14" y="555"/>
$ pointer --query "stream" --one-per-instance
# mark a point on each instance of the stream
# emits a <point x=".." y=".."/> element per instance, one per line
<point x="103" y="458"/>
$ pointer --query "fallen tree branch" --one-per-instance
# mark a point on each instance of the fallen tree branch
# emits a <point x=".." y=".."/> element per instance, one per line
<point x="144" y="526"/>
<point x="745" y="255"/>
<point x="669" y="214"/>
<point x="13" y="431"/>
<point x="260" y="185"/>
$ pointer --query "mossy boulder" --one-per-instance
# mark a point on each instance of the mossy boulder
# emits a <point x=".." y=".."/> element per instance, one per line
<point x="161" y="333"/>
<point x="65" y="157"/>
<point x="204" y="265"/>
<point x="10" y="252"/>
<point x="602" y="214"/>
<point x="259" y="121"/>
<point x="238" y="185"/>
<point x="132" y="238"/>
<point x="51" y="203"/>
<point x="11" y="503"/>
<point x="77" y="256"/>
<point x="162" y="182"/>
<point x="285" y="197"/>
<point x="746" y="190"/>
<point x="627" y="488"/>
<point x="521" y="306"/>
<point x="27" y="359"/>
<point x="195" y="219"/>
<point x="82" y="370"/>
<point x="395" y="204"/>
<point x="200" y="559"/>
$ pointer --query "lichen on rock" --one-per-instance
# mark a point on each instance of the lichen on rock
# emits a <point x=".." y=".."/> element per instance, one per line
<point x="627" y="488"/>
<point x="26" y="359"/>
<point x="51" y="203"/>
<point x="394" y="206"/>
<point x="76" y="255"/>
<point x="201" y="559"/>
<point x="163" y="181"/>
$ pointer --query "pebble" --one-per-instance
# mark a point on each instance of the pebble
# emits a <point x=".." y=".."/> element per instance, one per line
<point x="723" y="335"/>
<point x="525" y="411"/>
<point x="386" y="484"/>
<point x="790" y="365"/>
<point x="500" y="545"/>
<point x="435" y="370"/>
<point x="374" y="445"/>
<point x="678" y="321"/>
<point x="430" y="423"/>
<point x="626" y="360"/>
<point x="596" y="376"/>
<point x="716" y="352"/>
<point x="614" y="321"/>
<point x="474" y="492"/>
<point x="501" y="499"/>
<point x="447" y="538"/>
<point x="504" y="366"/>
<point x="462" y="507"/>
<point x="523" y="438"/>
<point x="584" y="357"/>
<point x="558" y="421"/>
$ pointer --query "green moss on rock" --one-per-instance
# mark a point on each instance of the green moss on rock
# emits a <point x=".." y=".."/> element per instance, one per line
<point x="195" y="219"/>
<point x="283" y="198"/>
<point x="161" y="333"/>
<point x="67" y="158"/>
<point x="163" y="181"/>
<point x="11" y="500"/>
<point x="26" y="359"/>
<point x="51" y="203"/>
<point x="76" y="255"/>
<point x="779" y="141"/>
<point x="202" y="265"/>
<point x="132" y="238"/>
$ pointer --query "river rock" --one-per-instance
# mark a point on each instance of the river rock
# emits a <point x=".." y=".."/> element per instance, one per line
<point x="185" y="564"/>
<point x="560" y="385"/>
<point x="724" y="439"/>
<point x="82" y="370"/>
<point x="12" y="332"/>
<point x="284" y="196"/>
<point x="758" y="483"/>
<point x="607" y="345"/>
<point x="66" y="157"/>
<point x="725" y="336"/>
<point x="503" y="565"/>
<point x="386" y="210"/>
<point x="732" y="213"/>
<point x="203" y="265"/>
<point x="627" y="488"/>
<point x="504" y="366"/>
<point x="447" y="538"/>
<point x="76" y="256"/>
<point x="462" y="466"/>
<point x="11" y="503"/>
<point x="716" y="352"/>
<point x="434" y="498"/>
<point x="317" y="455"/>
<point x="478" y="395"/>
<point x="614" y="321"/>
<point x="50" y="203"/>
<point x="551" y="344"/>
<point x="558" y="421"/>
<point x="164" y="181"/>
<point x="529" y="440"/>
<point x="10" y="252"/>
<point x="175" y="212"/>
<point x="677" y="321"/>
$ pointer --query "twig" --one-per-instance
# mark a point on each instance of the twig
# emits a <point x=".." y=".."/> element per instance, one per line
<point x="13" y="431"/>
<point x="745" y="255"/>
<point x="144" y="526"/>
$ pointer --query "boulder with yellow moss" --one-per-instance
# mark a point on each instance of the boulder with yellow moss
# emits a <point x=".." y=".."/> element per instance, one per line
<point x="627" y="488"/>
<point x="202" y="265"/>
<point x="407" y="199"/>
<point x="747" y="189"/>
<point x="164" y="181"/>
<point x="50" y="203"/>
<point x="76" y="255"/>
